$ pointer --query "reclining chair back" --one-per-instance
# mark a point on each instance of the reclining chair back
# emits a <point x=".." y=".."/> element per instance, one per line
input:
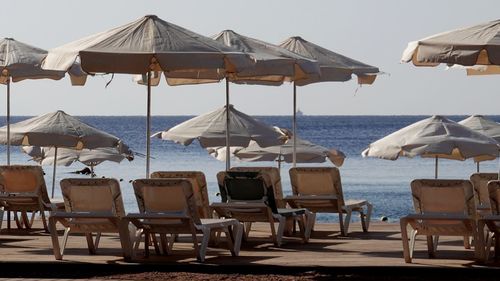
<point x="23" y="180"/>
<point x="274" y="175"/>
<point x="167" y="196"/>
<point x="318" y="181"/>
<point x="93" y="196"/>
<point x="480" y="184"/>
<point x="198" y="183"/>
<point x="494" y="196"/>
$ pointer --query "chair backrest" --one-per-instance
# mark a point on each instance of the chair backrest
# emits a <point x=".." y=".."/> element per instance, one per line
<point x="166" y="196"/>
<point x="92" y="195"/>
<point x="251" y="187"/>
<point x="443" y="196"/>
<point x="274" y="174"/>
<point x="23" y="179"/>
<point x="494" y="196"/>
<point x="480" y="184"/>
<point x="317" y="181"/>
<point x="198" y="183"/>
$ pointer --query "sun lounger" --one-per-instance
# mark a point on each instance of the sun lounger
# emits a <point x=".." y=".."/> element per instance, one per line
<point x="92" y="206"/>
<point x="480" y="184"/>
<point x="199" y="184"/>
<point x="489" y="225"/>
<point x="168" y="207"/>
<point x="22" y="189"/>
<point x="319" y="190"/>
<point x="443" y="207"/>
<point x="249" y="197"/>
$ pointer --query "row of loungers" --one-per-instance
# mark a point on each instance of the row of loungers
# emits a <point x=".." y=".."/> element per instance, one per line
<point x="174" y="203"/>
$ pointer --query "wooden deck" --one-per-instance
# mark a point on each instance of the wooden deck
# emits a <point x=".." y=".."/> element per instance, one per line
<point x="380" y="247"/>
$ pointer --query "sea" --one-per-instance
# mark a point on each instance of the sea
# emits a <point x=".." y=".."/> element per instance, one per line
<point x="385" y="183"/>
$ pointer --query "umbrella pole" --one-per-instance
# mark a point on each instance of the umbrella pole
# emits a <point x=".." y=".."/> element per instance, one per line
<point x="148" y="127"/>
<point x="228" y="150"/>
<point x="92" y="171"/>
<point x="8" y="121"/>
<point x="54" y="172"/>
<point x="436" y="169"/>
<point x="477" y="169"/>
<point x="294" y="124"/>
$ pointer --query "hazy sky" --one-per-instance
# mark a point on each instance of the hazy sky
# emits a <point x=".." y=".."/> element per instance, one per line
<point x="374" y="32"/>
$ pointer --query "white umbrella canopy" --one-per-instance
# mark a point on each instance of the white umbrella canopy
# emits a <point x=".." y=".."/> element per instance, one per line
<point x="307" y="152"/>
<point x="147" y="45"/>
<point x="475" y="47"/>
<point x="273" y="64"/>
<point x="483" y="125"/>
<point x="210" y="130"/>
<point x="434" y="137"/>
<point x="20" y="61"/>
<point x="333" y="66"/>
<point x="67" y="156"/>
<point x="58" y="129"/>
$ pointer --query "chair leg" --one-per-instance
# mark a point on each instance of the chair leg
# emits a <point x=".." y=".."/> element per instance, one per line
<point x="1" y="216"/>
<point x="310" y="219"/>
<point x="347" y="221"/>
<point x="19" y="223"/>
<point x="341" y="223"/>
<point x="435" y="242"/>
<point x="430" y="246"/>
<point x="90" y="243"/>
<point x="125" y="239"/>
<point x="467" y="242"/>
<point x="58" y="254"/>
<point x="155" y="243"/>
<point x="146" y="243"/>
<point x="237" y="235"/>
<point x="404" y="238"/>
<point x="204" y="244"/>
<point x="281" y="230"/>
<point x="230" y="239"/>
<point x="164" y="244"/>
<point x="248" y="227"/>
<point x="65" y="239"/>
<point x="413" y="237"/>
<point x="365" y="218"/>
<point x="497" y="245"/>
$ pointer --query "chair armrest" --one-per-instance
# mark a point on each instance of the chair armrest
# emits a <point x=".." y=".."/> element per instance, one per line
<point x="89" y="215"/>
<point x="170" y="215"/>
<point x="310" y="197"/>
<point x="436" y="217"/>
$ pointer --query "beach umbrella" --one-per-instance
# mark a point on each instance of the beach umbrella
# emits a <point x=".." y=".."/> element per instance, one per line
<point x="210" y="130"/>
<point x="67" y="156"/>
<point x="58" y="129"/>
<point x="273" y="65"/>
<point x="484" y="126"/>
<point x="306" y="152"/>
<point x="148" y="45"/>
<point x="477" y="48"/>
<point x="20" y="61"/>
<point x="434" y="137"/>
<point x="334" y="68"/>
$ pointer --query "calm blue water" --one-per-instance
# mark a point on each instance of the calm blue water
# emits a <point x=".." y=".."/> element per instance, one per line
<point x="384" y="183"/>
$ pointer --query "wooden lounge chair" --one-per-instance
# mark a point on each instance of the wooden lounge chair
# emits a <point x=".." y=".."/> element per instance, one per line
<point x="199" y="184"/>
<point x="249" y="197"/>
<point x="274" y="175"/>
<point x="92" y="206"/>
<point x="443" y="208"/>
<point x="492" y="222"/>
<point x="23" y="190"/>
<point x="480" y="184"/>
<point x="319" y="190"/>
<point x="168" y="207"/>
